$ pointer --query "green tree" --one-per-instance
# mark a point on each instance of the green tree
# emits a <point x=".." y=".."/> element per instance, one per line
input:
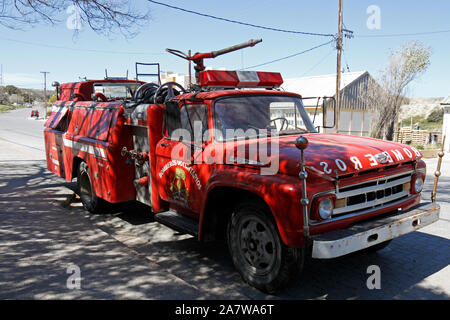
<point x="52" y="98"/>
<point x="437" y="115"/>
<point x="12" y="90"/>
<point x="27" y="97"/>
<point x="3" y="96"/>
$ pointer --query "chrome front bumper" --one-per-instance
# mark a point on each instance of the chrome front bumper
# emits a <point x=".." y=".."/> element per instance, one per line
<point x="363" y="235"/>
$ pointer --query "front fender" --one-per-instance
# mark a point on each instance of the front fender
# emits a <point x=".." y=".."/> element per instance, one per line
<point x="280" y="192"/>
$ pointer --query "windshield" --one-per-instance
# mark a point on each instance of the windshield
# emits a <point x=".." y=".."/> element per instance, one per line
<point x="116" y="91"/>
<point x="256" y="115"/>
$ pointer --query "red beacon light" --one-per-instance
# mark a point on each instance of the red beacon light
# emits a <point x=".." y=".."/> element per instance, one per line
<point x="239" y="79"/>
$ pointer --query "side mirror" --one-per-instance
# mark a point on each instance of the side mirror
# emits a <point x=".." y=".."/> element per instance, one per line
<point x="329" y="112"/>
<point x="56" y="85"/>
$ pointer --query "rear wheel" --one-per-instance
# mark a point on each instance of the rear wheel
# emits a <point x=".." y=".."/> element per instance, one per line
<point x="90" y="201"/>
<point x="257" y="251"/>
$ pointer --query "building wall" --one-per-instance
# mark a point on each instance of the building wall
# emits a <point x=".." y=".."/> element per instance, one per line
<point x="353" y="122"/>
<point x="356" y="116"/>
<point x="175" y="77"/>
<point x="446" y="128"/>
<point x="352" y="96"/>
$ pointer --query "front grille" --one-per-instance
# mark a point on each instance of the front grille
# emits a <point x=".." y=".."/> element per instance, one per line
<point x="373" y="194"/>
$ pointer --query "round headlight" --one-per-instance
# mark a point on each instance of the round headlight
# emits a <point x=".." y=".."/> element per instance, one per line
<point x="326" y="208"/>
<point x="418" y="184"/>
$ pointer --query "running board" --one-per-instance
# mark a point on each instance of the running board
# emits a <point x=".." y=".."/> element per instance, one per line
<point x="178" y="222"/>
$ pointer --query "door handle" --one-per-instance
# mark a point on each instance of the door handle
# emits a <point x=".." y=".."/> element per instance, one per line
<point x="164" y="144"/>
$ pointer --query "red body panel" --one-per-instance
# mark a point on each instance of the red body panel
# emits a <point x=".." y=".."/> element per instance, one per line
<point x="155" y="112"/>
<point x="95" y="135"/>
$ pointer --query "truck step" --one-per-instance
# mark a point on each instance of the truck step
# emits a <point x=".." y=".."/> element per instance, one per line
<point x="178" y="222"/>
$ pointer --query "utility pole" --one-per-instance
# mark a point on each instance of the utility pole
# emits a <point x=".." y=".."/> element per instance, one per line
<point x="338" y="68"/>
<point x="189" y="67"/>
<point x="45" y="85"/>
<point x="45" y="93"/>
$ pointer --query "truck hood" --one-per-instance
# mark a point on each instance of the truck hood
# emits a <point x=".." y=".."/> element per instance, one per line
<point x="334" y="154"/>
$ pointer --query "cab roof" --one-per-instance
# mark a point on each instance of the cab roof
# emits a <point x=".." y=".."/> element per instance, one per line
<point x="211" y="95"/>
<point x="82" y="90"/>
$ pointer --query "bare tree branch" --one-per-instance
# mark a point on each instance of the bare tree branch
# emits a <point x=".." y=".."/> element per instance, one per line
<point x="105" y="17"/>
<point x="405" y="65"/>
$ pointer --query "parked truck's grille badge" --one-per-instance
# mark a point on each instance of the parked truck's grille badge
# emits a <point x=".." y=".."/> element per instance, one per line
<point x="382" y="158"/>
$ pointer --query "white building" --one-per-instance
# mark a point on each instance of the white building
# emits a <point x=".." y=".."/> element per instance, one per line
<point x="178" y="78"/>
<point x="356" y="116"/>
<point x="446" y="125"/>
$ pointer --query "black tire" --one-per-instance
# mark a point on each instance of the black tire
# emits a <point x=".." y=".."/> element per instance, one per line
<point x="259" y="255"/>
<point x="89" y="199"/>
<point x="377" y="247"/>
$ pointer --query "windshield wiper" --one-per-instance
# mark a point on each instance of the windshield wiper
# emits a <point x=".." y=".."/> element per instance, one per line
<point x="293" y="131"/>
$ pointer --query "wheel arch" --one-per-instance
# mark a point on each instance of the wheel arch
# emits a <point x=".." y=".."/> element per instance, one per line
<point x="75" y="164"/>
<point x="221" y="200"/>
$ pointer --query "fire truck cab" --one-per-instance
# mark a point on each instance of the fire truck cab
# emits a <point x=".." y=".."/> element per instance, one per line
<point x="236" y="158"/>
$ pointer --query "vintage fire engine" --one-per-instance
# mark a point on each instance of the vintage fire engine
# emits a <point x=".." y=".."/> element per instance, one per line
<point x="309" y="193"/>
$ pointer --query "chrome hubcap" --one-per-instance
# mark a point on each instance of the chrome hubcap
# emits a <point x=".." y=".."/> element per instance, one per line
<point x="257" y="244"/>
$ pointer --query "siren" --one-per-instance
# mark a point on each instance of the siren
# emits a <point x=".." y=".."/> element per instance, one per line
<point x="239" y="79"/>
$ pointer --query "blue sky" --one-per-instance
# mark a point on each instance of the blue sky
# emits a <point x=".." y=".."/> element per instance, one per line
<point x="27" y="52"/>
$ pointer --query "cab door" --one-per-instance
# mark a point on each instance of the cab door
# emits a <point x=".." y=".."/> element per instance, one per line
<point x="179" y="153"/>
<point x="55" y="127"/>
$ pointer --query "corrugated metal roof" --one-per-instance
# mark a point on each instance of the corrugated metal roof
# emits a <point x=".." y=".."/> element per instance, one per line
<point x="446" y="100"/>
<point x="319" y="86"/>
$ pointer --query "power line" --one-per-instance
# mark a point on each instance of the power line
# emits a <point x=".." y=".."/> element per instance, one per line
<point x="290" y="56"/>
<point x="317" y="64"/>
<point x="401" y="34"/>
<point x="75" y="49"/>
<point x="345" y="59"/>
<point x="343" y="51"/>
<point x="240" y="22"/>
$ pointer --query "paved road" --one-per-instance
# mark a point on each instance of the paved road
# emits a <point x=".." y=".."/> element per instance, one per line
<point x="125" y="254"/>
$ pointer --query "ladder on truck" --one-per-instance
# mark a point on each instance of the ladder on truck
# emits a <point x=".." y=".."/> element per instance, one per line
<point x="148" y="74"/>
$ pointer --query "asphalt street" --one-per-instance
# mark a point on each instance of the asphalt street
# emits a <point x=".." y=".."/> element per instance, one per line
<point x="46" y="238"/>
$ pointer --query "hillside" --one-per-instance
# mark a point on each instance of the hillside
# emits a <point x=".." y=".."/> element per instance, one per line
<point x="419" y="107"/>
<point x="13" y="95"/>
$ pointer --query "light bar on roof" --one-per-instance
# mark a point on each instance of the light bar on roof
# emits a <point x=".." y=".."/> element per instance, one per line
<point x="239" y="79"/>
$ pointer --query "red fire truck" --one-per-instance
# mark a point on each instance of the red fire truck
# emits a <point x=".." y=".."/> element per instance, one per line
<point x="235" y="158"/>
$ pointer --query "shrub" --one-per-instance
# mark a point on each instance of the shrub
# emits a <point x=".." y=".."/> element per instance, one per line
<point x="436" y="115"/>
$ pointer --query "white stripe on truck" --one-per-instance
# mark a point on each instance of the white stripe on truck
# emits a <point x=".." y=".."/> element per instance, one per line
<point x="80" y="146"/>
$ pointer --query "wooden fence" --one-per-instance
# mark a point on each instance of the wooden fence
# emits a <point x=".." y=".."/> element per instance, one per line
<point x="417" y="137"/>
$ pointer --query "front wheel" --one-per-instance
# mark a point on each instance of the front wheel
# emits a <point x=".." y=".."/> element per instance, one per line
<point x="258" y="253"/>
<point x="90" y="201"/>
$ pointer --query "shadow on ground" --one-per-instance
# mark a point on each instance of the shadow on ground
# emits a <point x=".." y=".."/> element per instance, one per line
<point x="39" y="240"/>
